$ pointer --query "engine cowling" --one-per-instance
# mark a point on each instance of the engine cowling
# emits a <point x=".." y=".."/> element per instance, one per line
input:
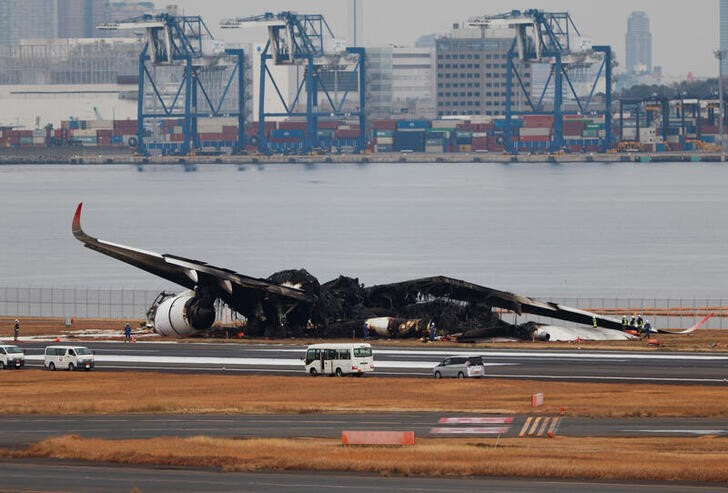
<point x="183" y="315"/>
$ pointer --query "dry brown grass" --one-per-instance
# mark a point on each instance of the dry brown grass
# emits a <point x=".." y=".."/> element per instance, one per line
<point x="30" y="391"/>
<point x="686" y="459"/>
<point x="41" y="326"/>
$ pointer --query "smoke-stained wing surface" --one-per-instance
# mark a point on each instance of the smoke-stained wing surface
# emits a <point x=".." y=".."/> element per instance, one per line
<point x="235" y="289"/>
<point x="466" y="292"/>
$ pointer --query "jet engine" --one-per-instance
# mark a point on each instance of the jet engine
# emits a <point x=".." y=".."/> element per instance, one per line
<point x="183" y="315"/>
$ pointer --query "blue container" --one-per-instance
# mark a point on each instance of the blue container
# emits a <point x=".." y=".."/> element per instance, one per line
<point x="413" y="124"/>
<point x="409" y="141"/>
<point x="287" y="134"/>
<point x="501" y="124"/>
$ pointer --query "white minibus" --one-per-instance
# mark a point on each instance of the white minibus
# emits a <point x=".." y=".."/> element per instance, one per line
<point x="339" y="359"/>
<point x="68" y="358"/>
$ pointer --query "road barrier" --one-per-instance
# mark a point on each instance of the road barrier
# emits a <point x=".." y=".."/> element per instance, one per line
<point x="378" y="437"/>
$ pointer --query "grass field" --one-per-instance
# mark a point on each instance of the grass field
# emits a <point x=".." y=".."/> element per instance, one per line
<point x="693" y="459"/>
<point x="39" y="391"/>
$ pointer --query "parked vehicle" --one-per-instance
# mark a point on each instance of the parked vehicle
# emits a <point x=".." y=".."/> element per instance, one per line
<point x="68" y="358"/>
<point x="339" y="359"/>
<point x="460" y="367"/>
<point x="11" y="357"/>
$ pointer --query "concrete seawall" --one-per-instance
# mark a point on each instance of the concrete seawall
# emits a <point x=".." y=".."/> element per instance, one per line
<point x="97" y="156"/>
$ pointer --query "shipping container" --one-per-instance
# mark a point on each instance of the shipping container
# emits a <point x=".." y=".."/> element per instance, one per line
<point x="413" y="124"/>
<point x="409" y="141"/>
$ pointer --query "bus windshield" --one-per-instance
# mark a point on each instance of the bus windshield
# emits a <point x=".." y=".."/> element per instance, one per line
<point x="362" y="352"/>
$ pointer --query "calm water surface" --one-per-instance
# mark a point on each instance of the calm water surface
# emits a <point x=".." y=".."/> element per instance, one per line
<point x="652" y="230"/>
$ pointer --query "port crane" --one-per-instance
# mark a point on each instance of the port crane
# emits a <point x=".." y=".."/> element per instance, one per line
<point x="194" y="63"/>
<point x="306" y="40"/>
<point x="550" y="37"/>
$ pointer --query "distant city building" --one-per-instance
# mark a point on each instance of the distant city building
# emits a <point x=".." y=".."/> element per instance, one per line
<point x="27" y="19"/>
<point x="70" y="61"/>
<point x="639" y="43"/>
<point x="401" y="82"/>
<point x="471" y="74"/>
<point x="126" y="10"/>
<point x="79" y="18"/>
<point x="724" y="31"/>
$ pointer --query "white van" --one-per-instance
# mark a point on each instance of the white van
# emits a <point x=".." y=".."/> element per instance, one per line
<point x="11" y="357"/>
<point x="339" y="359"/>
<point x="68" y="358"/>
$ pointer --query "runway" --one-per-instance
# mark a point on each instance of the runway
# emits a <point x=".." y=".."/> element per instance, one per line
<point x="574" y="365"/>
<point x="16" y="430"/>
<point x="54" y="476"/>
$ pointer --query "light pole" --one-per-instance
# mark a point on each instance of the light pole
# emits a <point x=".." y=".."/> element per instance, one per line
<point x="719" y="54"/>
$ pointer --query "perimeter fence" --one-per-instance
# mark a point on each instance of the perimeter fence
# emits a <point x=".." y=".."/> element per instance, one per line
<point x="672" y="313"/>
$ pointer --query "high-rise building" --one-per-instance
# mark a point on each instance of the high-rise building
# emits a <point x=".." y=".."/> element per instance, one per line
<point x="724" y="31"/>
<point x="471" y="74"/>
<point x="79" y="18"/>
<point x="401" y="82"/>
<point x="27" y="19"/>
<point x="639" y="43"/>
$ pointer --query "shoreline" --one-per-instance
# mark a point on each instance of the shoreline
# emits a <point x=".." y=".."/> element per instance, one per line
<point x="101" y="156"/>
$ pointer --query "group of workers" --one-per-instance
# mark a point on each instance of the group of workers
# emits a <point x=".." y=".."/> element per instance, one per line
<point x="638" y="323"/>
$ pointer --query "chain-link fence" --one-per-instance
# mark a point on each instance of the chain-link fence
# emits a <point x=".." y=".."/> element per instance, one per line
<point x="670" y="313"/>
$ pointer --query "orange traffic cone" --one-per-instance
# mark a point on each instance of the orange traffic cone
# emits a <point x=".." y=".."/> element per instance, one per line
<point x="133" y="339"/>
<point x="58" y="339"/>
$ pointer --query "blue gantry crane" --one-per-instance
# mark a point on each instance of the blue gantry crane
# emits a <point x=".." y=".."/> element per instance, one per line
<point x="547" y="37"/>
<point x="185" y="46"/>
<point x="307" y="40"/>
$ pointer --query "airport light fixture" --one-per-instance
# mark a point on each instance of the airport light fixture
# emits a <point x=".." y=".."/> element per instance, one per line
<point x="720" y="54"/>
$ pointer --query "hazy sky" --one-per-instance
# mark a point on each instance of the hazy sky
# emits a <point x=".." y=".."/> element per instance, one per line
<point x="684" y="33"/>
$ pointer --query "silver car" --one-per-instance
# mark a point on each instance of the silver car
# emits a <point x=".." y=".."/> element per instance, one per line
<point x="460" y="367"/>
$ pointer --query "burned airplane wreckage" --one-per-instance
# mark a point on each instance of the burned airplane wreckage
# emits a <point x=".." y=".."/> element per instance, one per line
<point x="293" y="303"/>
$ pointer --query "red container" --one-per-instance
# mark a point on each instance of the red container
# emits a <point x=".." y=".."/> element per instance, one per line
<point x="384" y="124"/>
<point x="292" y="125"/>
<point x="538" y="121"/>
<point x="211" y="137"/>
<point x="536" y="138"/>
<point x="176" y="138"/>
<point x="328" y="125"/>
<point x="347" y="134"/>
<point x="573" y="127"/>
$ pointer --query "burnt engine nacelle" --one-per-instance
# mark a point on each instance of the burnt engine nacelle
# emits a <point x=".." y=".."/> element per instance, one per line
<point x="183" y="315"/>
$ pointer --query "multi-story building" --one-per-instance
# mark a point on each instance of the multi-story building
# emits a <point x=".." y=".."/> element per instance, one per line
<point x="639" y="43"/>
<point x="70" y="61"/>
<point x="27" y="19"/>
<point x="79" y="18"/>
<point x="401" y="82"/>
<point x="126" y="10"/>
<point x="471" y="74"/>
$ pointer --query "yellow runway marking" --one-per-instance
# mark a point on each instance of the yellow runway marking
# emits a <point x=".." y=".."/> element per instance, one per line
<point x="535" y="426"/>
<point x="525" y="426"/>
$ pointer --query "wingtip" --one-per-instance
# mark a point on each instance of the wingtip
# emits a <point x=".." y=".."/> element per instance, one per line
<point x="76" y="225"/>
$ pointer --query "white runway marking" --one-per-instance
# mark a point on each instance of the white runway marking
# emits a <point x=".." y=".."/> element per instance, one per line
<point x="218" y="362"/>
<point x="537" y="354"/>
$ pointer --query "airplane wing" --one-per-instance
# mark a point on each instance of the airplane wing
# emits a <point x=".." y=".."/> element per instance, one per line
<point x="689" y="330"/>
<point x="186" y="272"/>
<point x="457" y="290"/>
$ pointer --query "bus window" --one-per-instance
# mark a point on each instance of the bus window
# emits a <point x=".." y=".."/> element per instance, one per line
<point x="362" y="352"/>
<point x="344" y="354"/>
<point x="312" y="355"/>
